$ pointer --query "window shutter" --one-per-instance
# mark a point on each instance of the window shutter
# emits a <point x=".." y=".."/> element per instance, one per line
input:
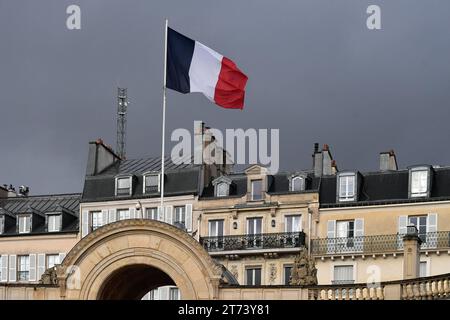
<point x="105" y="217"/>
<point x="359" y="227"/>
<point x="431" y="238"/>
<point x="132" y="213"/>
<point x="163" y="293"/>
<point x="432" y="222"/>
<point x="112" y="215"/>
<point x="32" y="275"/>
<point x="61" y="257"/>
<point x="4" y="277"/>
<point x="84" y="223"/>
<point x="189" y="217"/>
<point x="168" y="214"/>
<point x="40" y="265"/>
<point x="402" y="224"/>
<point x="160" y="214"/>
<point x="12" y="267"/>
<point x="331" y="228"/>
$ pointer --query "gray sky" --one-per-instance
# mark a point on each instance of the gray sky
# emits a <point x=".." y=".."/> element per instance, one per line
<point x="315" y="72"/>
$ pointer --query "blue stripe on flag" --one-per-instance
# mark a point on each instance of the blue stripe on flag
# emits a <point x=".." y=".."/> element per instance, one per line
<point x="179" y="56"/>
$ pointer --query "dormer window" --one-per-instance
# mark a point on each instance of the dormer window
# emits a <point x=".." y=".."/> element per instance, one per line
<point x="257" y="190"/>
<point x="25" y="224"/>
<point x="346" y="186"/>
<point x="151" y="182"/>
<point x="123" y="186"/>
<point x="54" y="222"/>
<point x="222" y="189"/>
<point x="222" y="186"/>
<point x="297" y="182"/>
<point x="419" y="182"/>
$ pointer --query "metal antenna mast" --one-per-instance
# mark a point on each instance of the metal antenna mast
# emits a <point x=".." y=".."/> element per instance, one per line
<point x="122" y="104"/>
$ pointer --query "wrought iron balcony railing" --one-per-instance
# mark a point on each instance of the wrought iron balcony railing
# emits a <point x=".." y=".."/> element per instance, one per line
<point x="377" y="244"/>
<point x="254" y="241"/>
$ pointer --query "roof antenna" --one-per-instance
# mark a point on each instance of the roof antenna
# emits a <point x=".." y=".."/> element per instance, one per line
<point x="122" y="104"/>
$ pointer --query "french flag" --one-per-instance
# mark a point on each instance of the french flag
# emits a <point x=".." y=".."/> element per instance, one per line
<point x="193" y="67"/>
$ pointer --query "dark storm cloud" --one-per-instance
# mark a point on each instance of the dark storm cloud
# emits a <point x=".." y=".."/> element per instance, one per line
<point x="316" y="72"/>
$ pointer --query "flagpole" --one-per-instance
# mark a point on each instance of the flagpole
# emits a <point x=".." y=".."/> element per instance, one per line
<point x="164" y="117"/>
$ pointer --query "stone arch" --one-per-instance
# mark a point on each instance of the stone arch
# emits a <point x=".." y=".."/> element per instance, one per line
<point x="150" y="244"/>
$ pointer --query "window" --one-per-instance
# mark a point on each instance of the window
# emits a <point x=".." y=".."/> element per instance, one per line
<point x="345" y="229"/>
<point x="24" y="224"/>
<point x="297" y="184"/>
<point x="151" y="213"/>
<point x="292" y="223"/>
<point x="253" y="276"/>
<point x="343" y="274"/>
<point x="2" y="224"/>
<point x="287" y="274"/>
<point x="254" y="225"/>
<point x="419" y="182"/>
<point x="97" y="220"/>
<point x="347" y="187"/>
<point x="123" y="186"/>
<point x="123" y="214"/>
<point x="256" y="190"/>
<point x="222" y="189"/>
<point x="151" y="183"/>
<point x="174" y="294"/>
<point x="23" y="268"/>
<point x="420" y="222"/>
<point x="254" y="229"/>
<point x="54" y="222"/>
<point x="180" y="216"/>
<point x="216" y="228"/>
<point x="52" y="260"/>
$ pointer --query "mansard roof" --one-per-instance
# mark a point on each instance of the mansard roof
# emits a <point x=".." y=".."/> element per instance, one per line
<point x="42" y="204"/>
<point x="278" y="184"/>
<point x="180" y="179"/>
<point x="386" y="187"/>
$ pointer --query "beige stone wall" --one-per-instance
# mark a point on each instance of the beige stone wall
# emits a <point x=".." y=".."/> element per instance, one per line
<point x="48" y="244"/>
<point x="389" y="268"/>
<point x="17" y="292"/>
<point x="283" y="205"/>
<point x="383" y="219"/>
<point x="272" y="270"/>
<point x="263" y="294"/>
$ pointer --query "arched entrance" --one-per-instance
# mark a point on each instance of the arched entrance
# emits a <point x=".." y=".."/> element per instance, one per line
<point x="126" y="259"/>
<point x="133" y="282"/>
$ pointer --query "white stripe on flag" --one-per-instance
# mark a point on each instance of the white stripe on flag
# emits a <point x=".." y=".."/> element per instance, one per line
<point x="205" y="69"/>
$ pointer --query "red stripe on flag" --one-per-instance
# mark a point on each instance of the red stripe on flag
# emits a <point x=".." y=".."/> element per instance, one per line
<point x="230" y="87"/>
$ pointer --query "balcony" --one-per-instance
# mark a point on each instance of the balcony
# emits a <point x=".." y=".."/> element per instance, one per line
<point x="377" y="244"/>
<point x="287" y="240"/>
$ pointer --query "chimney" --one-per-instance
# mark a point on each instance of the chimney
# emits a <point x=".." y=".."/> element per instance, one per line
<point x="388" y="161"/>
<point x="323" y="163"/>
<point x="3" y="191"/>
<point x="334" y="168"/>
<point x="100" y="157"/>
<point x="317" y="161"/>
<point x="7" y="191"/>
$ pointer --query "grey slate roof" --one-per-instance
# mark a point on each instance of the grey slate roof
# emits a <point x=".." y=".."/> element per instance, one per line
<point x="277" y="184"/>
<point x="180" y="179"/>
<point x="386" y="187"/>
<point x="42" y="204"/>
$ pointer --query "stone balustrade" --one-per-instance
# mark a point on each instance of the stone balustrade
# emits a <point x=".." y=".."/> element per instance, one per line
<point x="426" y="288"/>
